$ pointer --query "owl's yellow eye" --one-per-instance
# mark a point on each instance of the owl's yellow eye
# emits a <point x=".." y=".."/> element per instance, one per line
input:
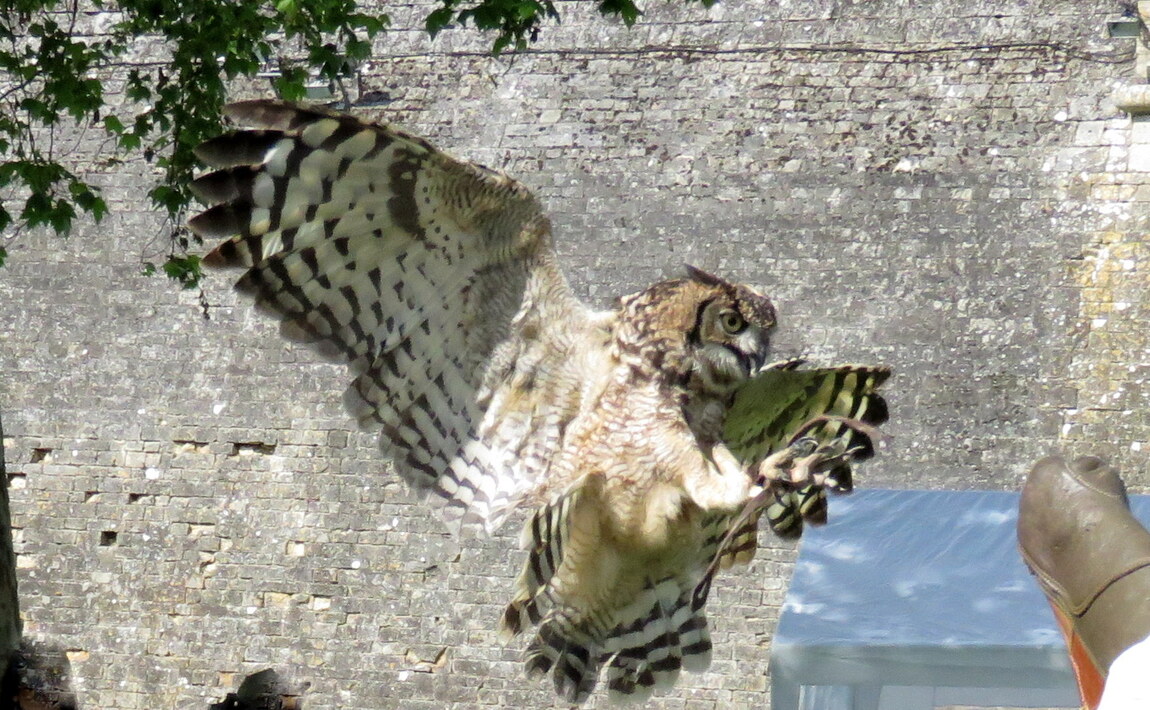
<point x="732" y="322"/>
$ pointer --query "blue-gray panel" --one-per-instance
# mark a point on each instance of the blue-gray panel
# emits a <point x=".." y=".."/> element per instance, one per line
<point x="919" y="588"/>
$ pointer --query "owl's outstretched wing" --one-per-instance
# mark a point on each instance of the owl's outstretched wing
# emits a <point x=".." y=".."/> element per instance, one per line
<point x="433" y="279"/>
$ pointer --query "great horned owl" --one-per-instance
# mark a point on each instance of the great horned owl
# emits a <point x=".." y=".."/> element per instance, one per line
<point x="647" y="439"/>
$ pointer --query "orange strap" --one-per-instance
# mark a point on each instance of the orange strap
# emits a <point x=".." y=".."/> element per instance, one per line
<point x="1090" y="678"/>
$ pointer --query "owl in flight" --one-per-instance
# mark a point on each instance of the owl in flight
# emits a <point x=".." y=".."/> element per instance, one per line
<point x="647" y="441"/>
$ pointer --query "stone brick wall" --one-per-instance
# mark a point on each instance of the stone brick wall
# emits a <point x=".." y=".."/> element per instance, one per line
<point x="943" y="186"/>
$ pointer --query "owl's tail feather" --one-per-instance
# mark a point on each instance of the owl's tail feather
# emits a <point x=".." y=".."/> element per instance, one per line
<point x="570" y="587"/>
<point x="662" y="633"/>
<point x="568" y="647"/>
<point x="666" y="634"/>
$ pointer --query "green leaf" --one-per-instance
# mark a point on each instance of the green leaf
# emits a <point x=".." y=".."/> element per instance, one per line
<point x="625" y="9"/>
<point x="88" y="200"/>
<point x="290" y="84"/>
<point x="357" y="49"/>
<point x="438" y="20"/>
<point x="113" y="124"/>
<point x="170" y="198"/>
<point x="40" y="210"/>
<point x="129" y="141"/>
<point x="184" y="269"/>
<point x="372" y="24"/>
<point x="137" y="88"/>
<point x="39" y="110"/>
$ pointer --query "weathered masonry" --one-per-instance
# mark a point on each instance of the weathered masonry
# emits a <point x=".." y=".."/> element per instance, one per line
<point x="946" y="186"/>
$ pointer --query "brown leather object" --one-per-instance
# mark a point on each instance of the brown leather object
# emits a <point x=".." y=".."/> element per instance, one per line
<point x="1090" y="555"/>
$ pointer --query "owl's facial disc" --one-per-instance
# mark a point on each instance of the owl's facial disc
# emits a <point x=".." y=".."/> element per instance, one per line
<point x="731" y="344"/>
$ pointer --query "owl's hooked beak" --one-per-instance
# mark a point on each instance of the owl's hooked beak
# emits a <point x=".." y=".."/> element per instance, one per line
<point x="753" y="349"/>
<point x="758" y="359"/>
<point x="750" y="362"/>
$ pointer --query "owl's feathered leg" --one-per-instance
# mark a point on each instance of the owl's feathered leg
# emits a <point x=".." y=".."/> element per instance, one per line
<point x="565" y="589"/>
<point x="545" y="538"/>
<point x="595" y="603"/>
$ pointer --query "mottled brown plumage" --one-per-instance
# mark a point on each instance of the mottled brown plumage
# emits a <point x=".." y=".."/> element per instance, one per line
<point x="648" y="439"/>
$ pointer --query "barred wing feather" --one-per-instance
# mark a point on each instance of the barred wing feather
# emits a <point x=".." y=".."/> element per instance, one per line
<point x="423" y="274"/>
<point x="770" y="408"/>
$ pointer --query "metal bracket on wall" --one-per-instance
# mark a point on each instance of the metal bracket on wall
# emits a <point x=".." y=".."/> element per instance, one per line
<point x="1134" y="99"/>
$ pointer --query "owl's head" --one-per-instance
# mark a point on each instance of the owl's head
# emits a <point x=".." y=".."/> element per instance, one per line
<point x="701" y="331"/>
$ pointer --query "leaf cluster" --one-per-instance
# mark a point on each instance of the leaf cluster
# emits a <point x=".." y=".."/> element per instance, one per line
<point x="57" y="75"/>
<point x="53" y="79"/>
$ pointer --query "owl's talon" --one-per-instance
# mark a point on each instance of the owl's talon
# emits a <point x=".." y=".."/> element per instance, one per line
<point x="774" y="468"/>
<point x="796" y="467"/>
<point x="807" y="463"/>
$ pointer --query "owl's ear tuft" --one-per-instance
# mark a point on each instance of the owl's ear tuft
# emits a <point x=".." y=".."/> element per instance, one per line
<point x="704" y="277"/>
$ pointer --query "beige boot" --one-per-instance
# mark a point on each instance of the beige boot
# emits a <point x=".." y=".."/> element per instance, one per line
<point x="1091" y="558"/>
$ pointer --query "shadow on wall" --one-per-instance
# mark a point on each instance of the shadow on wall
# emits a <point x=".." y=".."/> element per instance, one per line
<point x="264" y="690"/>
<point x="39" y="678"/>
